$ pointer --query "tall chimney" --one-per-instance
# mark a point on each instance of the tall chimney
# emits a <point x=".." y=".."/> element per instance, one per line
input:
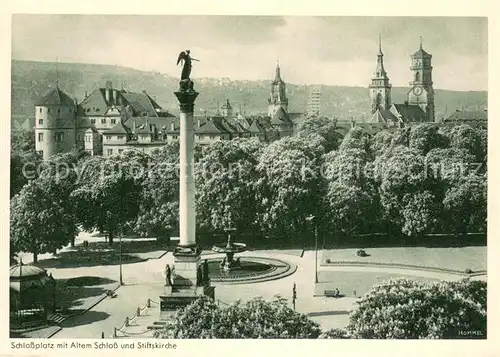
<point x="108" y="89"/>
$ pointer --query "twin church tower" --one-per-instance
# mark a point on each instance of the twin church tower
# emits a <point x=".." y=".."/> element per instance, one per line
<point x="421" y="93"/>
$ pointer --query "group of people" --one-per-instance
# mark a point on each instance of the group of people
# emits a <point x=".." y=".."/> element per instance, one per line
<point x="201" y="274"/>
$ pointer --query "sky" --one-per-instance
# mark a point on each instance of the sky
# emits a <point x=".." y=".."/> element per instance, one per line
<point x="310" y="50"/>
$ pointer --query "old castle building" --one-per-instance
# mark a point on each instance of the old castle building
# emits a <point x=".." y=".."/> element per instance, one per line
<point x="419" y="105"/>
<point x="110" y="120"/>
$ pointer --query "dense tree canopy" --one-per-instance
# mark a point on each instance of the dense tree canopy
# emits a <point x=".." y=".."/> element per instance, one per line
<point x="290" y="186"/>
<point x="226" y="178"/>
<point x="255" y="318"/>
<point x="321" y="125"/>
<point x="109" y="197"/>
<point x="408" y="309"/>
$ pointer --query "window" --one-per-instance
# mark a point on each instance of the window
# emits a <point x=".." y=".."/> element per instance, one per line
<point x="58" y="110"/>
<point x="113" y="121"/>
<point x="108" y="137"/>
<point x="40" y="110"/>
<point x="88" y="138"/>
<point x="48" y="110"/>
<point x="40" y="136"/>
<point x="103" y="121"/>
<point x="79" y="137"/>
<point x="92" y="121"/>
<point x="40" y="152"/>
<point x="40" y="121"/>
<point x="417" y="76"/>
<point x="120" y="137"/>
<point x="59" y="137"/>
<point x="110" y="152"/>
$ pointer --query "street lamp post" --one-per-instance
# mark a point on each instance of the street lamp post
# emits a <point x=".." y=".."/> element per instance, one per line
<point x="312" y="218"/>
<point x="316" y="254"/>
<point x="121" y="275"/>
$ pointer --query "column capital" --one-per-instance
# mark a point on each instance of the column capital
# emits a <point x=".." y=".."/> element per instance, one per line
<point x="186" y="100"/>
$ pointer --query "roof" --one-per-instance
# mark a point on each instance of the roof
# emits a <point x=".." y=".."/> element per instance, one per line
<point x="468" y="115"/>
<point x="55" y="97"/>
<point x="211" y="127"/>
<point x="256" y="127"/>
<point x="411" y="113"/>
<point x="22" y="270"/>
<point x="383" y="116"/>
<point x="280" y="117"/>
<point x="421" y="53"/>
<point x="140" y="103"/>
<point x="163" y="124"/>
<point x="94" y="104"/>
<point x="119" y="128"/>
<point x="277" y="77"/>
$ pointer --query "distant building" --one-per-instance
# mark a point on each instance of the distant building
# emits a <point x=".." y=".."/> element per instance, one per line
<point x="110" y="120"/>
<point x="314" y="102"/>
<point x="61" y="124"/>
<point x="419" y="106"/>
<point x="470" y="117"/>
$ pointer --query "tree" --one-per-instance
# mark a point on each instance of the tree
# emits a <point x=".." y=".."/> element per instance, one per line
<point x="108" y="197"/>
<point x="39" y="219"/>
<point x="323" y="126"/>
<point x="424" y="137"/>
<point x="355" y="139"/>
<point x="290" y="187"/>
<point x="465" y="137"/>
<point x="24" y="160"/>
<point x="465" y="204"/>
<point x="419" y="213"/>
<point x="255" y="318"/>
<point x="159" y="195"/>
<point x="226" y="179"/>
<point x="401" y="174"/>
<point x="408" y="309"/>
<point x="350" y="209"/>
<point x="381" y="142"/>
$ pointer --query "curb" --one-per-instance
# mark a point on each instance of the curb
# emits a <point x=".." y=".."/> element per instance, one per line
<point x="53" y="333"/>
<point x="403" y="266"/>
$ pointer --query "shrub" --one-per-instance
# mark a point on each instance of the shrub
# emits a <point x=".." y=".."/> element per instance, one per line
<point x="328" y="261"/>
<point x="468" y="271"/>
<point x="361" y="253"/>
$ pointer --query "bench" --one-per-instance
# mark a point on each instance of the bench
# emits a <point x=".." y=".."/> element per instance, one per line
<point x="331" y="293"/>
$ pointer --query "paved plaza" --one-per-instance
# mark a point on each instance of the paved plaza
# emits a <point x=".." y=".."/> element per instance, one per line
<point x="144" y="280"/>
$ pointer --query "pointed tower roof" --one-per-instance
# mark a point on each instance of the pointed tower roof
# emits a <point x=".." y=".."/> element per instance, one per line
<point x="380" y="70"/>
<point x="277" y="77"/>
<point x="55" y="97"/>
<point x="420" y="53"/>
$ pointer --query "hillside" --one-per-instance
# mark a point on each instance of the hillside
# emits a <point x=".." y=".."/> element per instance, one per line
<point x="33" y="79"/>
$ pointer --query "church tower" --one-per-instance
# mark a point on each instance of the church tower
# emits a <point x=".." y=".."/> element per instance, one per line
<point x="380" y="88"/>
<point x="278" y="98"/>
<point x="422" y="92"/>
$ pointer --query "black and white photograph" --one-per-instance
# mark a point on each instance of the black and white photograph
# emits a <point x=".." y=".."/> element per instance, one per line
<point x="247" y="177"/>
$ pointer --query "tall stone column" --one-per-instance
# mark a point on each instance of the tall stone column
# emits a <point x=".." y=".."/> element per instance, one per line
<point x="187" y="188"/>
<point x="187" y="253"/>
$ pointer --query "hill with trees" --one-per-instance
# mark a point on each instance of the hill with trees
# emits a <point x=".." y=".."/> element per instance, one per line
<point x="30" y="80"/>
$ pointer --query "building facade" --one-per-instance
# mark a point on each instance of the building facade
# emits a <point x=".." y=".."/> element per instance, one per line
<point x="314" y="102"/>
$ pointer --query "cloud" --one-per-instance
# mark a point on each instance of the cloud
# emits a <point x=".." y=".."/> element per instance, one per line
<point x="329" y="50"/>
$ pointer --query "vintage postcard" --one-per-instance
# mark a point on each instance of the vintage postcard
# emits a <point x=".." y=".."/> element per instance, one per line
<point x="224" y="176"/>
